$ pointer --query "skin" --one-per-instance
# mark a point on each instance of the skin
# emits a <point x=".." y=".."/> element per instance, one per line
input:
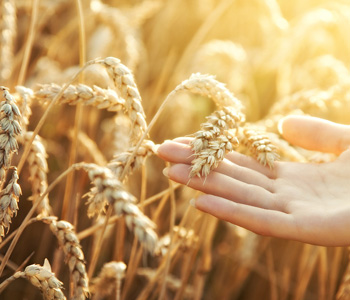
<point x="306" y="202"/>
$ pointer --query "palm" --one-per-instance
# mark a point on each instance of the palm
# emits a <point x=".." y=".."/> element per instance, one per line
<point x="317" y="197"/>
<point x="305" y="202"/>
<point x="299" y="201"/>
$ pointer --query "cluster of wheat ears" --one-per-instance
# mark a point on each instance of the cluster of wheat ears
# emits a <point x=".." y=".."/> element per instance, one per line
<point x="87" y="91"/>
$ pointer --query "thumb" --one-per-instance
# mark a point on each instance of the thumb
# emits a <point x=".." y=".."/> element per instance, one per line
<point x="315" y="134"/>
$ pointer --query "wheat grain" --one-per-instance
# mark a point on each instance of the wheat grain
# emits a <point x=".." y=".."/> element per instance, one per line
<point x="108" y="190"/>
<point x="38" y="169"/>
<point x="8" y="32"/>
<point x="70" y="244"/>
<point x="9" y="203"/>
<point x="117" y="165"/>
<point x="259" y="145"/>
<point x="10" y="128"/>
<point x="42" y="278"/>
<point x="109" y="280"/>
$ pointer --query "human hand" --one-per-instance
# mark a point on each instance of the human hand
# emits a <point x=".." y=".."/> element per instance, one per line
<point x="299" y="201"/>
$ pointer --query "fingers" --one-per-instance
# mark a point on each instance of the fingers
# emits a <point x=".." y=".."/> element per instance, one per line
<point x="316" y="134"/>
<point x="175" y="152"/>
<point x="242" y="168"/>
<point x="238" y="159"/>
<point x="261" y="221"/>
<point x="224" y="186"/>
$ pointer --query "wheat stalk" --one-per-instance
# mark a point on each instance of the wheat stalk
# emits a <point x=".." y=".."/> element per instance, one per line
<point x="38" y="169"/>
<point x="9" y="203"/>
<point x="108" y="190"/>
<point x="8" y="32"/>
<point x="70" y="244"/>
<point x="43" y="278"/>
<point x="172" y="282"/>
<point x="108" y="280"/>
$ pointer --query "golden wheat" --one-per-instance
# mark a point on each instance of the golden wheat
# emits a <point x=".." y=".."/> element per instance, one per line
<point x="10" y="129"/>
<point x="108" y="190"/>
<point x="43" y="278"/>
<point x="109" y="280"/>
<point x="38" y="170"/>
<point x="278" y="58"/>
<point x="7" y="38"/>
<point x="9" y="203"/>
<point x="70" y="244"/>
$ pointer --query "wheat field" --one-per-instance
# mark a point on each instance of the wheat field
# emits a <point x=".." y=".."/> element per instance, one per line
<point x="89" y="88"/>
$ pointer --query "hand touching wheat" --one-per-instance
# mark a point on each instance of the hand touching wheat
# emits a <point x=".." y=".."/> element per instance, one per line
<point x="300" y="201"/>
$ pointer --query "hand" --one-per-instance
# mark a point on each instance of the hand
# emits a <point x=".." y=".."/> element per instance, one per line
<point x="299" y="201"/>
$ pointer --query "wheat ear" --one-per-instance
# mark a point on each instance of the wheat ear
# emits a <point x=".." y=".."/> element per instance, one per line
<point x="125" y="83"/>
<point x="118" y="164"/>
<point x="70" y="244"/>
<point x="38" y="169"/>
<point x="216" y="137"/>
<point x="81" y="93"/>
<point x="184" y="236"/>
<point x="9" y="203"/>
<point x="42" y="278"/>
<point x="25" y="95"/>
<point x="208" y="86"/>
<point x="259" y="145"/>
<point x="7" y="38"/>
<point x="108" y="190"/>
<point x="10" y="128"/>
<point x="109" y="279"/>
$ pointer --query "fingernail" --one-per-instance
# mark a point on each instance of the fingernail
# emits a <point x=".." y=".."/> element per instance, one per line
<point x="193" y="202"/>
<point x="155" y="148"/>
<point x="166" y="172"/>
<point x="279" y="126"/>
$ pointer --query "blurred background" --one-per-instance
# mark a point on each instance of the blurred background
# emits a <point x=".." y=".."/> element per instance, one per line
<point x="277" y="57"/>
